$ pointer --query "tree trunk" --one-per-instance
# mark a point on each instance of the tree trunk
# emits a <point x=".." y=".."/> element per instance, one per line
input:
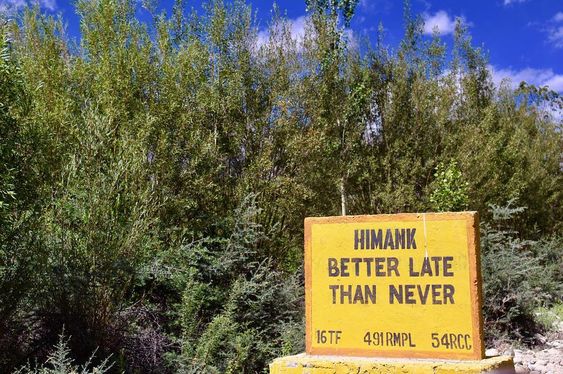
<point x="342" y="197"/>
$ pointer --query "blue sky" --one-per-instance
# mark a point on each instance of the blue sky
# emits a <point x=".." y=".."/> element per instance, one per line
<point x="523" y="38"/>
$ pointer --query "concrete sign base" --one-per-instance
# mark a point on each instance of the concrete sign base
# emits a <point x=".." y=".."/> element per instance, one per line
<point x="309" y="364"/>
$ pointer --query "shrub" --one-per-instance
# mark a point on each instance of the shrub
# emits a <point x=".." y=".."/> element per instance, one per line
<point x="518" y="276"/>
<point x="237" y="311"/>
<point x="61" y="362"/>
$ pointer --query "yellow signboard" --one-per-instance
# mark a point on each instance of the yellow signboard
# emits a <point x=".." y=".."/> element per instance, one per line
<point x="402" y="285"/>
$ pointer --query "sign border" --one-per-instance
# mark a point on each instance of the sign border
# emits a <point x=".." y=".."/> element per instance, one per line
<point x="475" y="286"/>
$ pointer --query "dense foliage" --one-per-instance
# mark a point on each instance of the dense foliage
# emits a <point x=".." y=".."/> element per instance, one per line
<point x="154" y="176"/>
<point x="519" y="276"/>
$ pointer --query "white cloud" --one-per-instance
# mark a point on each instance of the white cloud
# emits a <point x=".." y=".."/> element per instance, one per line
<point x="11" y="6"/>
<point x="555" y="36"/>
<point x="555" y="113"/>
<point x="508" y="2"/>
<point x="296" y="29"/>
<point x="538" y="77"/>
<point x="555" y="82"/>
<point x="441" y="21"/>
<point x="49" y="4"/>
<point x="555" y="31"/>
<point x="351" y="38"/>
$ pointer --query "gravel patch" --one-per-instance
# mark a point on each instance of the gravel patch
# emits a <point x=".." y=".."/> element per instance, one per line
<point x="548" y="360"/>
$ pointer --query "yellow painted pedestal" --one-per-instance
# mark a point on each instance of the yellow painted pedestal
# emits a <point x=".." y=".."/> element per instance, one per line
<point x="307" y="364"/>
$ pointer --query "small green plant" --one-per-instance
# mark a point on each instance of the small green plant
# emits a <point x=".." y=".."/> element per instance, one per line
<point x="450" y="190"/>
<point x="550" y="318"/>
<point x="61" y="362"/>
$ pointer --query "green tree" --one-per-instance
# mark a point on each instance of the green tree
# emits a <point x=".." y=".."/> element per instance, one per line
<point x="334" y="8"/>
<point x="450" y="190"/>
<point x="154" y="175"/>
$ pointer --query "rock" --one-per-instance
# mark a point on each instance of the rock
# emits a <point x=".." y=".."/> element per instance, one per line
<point x="556" y="344"/>
<point x="546" y="359"/>
<point x="542" y="339"/>
<point x="491" y="352"/>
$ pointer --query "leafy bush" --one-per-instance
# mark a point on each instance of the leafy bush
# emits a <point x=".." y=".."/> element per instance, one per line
<point x="518" y="276"/>
<point x="548" y="251"/>
<point x="20" y="254"/>
<point x="450" y="190"/>
<point x="237" y="311"/>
